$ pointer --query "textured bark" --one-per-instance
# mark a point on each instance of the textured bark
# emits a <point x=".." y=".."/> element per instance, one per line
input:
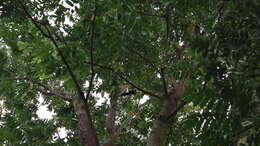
<point x="111" y="117"/>
<point x="110" y="122"/>
<point x="87" y="131"/>
<point x="112" y="138"/>
<point x="111" y="141"/>
<point x="161" y="125"/>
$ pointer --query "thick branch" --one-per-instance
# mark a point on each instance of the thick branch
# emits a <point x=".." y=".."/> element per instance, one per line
<point x="111" y="117"/>
<point x="159" y="131"/>
<point x="72" y="75"/>
<point x="180" y="107"/>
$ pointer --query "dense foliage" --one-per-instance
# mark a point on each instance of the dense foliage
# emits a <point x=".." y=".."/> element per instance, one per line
<point x="108" y="56"/>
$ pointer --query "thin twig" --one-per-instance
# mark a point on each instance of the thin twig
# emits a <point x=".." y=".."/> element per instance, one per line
<point x="48" y="90"/>
<point x="167" y="45"/>
<point x="51" y="92"/>
<point x="164" y="82"/>
<point x="137" y="87"/>
<point x="33" y="20"/>
<point x="167" y="18"/>
<point x="148" y="61"/>
<point x="131" y="92"/>
<point x="91" y="56"/>
<point x="152" y="15"/>
<point x="125" y="122"/>
<point x="121" y="75"/>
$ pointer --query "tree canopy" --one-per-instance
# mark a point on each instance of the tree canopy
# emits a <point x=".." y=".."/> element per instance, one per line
<point x="130" y="72"/>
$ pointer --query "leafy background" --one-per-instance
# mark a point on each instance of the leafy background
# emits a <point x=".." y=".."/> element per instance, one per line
<point x="222" y="66"/>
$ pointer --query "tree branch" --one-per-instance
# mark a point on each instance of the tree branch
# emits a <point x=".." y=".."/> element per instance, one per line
<point x="182" y="104"/>
<point x="52" y="92"/>
<point x="121" y="75"/>
<point x="148" y="61"/>
<point x="131" y="92"/>
<point x="49" y="36"/>
<point x="111" y="117"/>
<point x="164" y="82"/>
<point x="167" y="19"/>
<point x="91" y="56"/>
<point x="47" y="89"/>
<point x="151" y="15"/>
<point x="137" y="87"/>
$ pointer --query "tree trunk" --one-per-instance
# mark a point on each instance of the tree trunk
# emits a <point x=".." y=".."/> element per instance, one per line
<point x="110" y="122"/>
<point x="87" y="133"/>
<point x="161" y="125"/>
<point x="111" y="141"/>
